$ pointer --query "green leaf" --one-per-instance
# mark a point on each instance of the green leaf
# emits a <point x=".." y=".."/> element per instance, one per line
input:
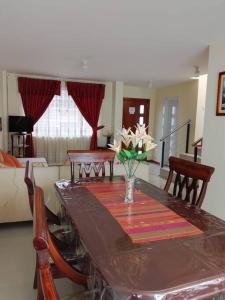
<point x="120" y="157"/>
<point x="127" y="153"/>
<point x="142" y="156"/>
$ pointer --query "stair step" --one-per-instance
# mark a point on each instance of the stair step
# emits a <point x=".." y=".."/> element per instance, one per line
<point x="164" y="172"/>
<point x="190" y="156"/>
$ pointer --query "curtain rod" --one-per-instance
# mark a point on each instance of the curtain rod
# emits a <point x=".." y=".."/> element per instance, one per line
<point x="57" y="78"/>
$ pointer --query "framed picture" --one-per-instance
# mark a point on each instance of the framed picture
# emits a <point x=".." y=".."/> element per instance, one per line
<point x="220" y="107"/>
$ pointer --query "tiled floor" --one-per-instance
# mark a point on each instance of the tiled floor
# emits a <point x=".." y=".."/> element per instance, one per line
<point x="17" y="262"/>
<point x="17" y="258"/>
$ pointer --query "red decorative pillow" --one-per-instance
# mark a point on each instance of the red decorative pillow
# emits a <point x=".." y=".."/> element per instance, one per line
<point x="12" y="161"/>
<point x="2" y="155"/>
<point x="9" y="160"/>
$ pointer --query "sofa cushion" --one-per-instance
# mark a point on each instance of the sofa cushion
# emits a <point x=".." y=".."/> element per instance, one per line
<point x="2" y="165"/>
<point x="12" y="161"/>
<point x="9" y="160"/>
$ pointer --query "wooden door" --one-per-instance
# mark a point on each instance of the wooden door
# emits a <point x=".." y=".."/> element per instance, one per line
<point x="135" y="111"/>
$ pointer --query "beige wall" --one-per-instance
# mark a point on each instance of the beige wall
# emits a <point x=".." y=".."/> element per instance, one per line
<point x="214" y="138"/>
<point x="187" y="97"/>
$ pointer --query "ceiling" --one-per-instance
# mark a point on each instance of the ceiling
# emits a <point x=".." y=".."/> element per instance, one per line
<point x="135" y="41"/>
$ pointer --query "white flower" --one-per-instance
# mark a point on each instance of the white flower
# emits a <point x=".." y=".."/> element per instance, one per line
<point x="135" y="139"/>
<point x="125" y="136"/>
<point x="115" y="147"/>
<point x="141" y="130"/>
<point x="149" y="146"/>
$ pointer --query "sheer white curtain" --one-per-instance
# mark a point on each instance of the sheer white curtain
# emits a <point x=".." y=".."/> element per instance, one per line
<point x="62" y="127"/>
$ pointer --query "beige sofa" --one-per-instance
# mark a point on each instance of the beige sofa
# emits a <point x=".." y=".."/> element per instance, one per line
<point x="14" y="205"/>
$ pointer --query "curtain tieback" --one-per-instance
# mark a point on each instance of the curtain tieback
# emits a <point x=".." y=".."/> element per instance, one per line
<point x="96" y="128"/>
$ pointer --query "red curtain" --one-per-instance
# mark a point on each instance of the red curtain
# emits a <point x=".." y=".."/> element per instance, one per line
<point x="36" y="96"/>
<point x="88" y="97"/>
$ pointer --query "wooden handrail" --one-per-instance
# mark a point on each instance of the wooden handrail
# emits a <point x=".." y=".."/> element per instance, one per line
<point x="176" y="129"/>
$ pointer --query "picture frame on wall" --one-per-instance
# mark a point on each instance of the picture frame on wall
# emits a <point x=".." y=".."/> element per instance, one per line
<point x="220" y="107"/>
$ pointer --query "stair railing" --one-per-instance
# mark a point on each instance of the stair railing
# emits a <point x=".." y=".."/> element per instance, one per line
<point x="197" y="144"/>
<point x="164" y="138"/>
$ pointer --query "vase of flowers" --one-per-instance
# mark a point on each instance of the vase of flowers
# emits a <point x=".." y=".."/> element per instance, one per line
<point x="127" y="148"/>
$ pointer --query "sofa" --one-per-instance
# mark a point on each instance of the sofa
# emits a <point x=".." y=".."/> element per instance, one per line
<point x="14" y="204"/>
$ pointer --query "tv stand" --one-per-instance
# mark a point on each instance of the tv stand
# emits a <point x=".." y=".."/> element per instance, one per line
<point x="19" y="143"/>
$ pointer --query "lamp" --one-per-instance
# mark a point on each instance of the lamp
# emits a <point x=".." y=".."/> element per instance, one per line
<point x="84" y="64"/>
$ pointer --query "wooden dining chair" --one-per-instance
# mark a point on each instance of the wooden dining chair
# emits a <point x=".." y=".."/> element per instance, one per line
<point x="30" y="183"/>
<point x="48" y="289"/>
<point x="191" y="180"/>
<point x="91" y="163"/>
<point x="43" y="241"/>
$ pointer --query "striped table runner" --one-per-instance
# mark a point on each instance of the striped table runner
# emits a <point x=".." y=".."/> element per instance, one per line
<point x="146" y="219"/>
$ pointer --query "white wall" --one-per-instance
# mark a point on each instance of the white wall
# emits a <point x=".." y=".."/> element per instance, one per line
<point x="214" y="137"/>
<point x="200" y="113"/>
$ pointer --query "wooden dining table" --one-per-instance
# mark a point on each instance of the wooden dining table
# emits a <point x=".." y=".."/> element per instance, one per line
<point x="169" y="267"/>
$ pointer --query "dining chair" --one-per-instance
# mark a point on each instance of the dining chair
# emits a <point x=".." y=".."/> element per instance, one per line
<point x="91" y="163"/>
<point x="30" y="183"/>
<point x="190" y="180"/>
<point x="48" y="289"/>
<point x="65" y="238"/>
<point x="42" y="240"/>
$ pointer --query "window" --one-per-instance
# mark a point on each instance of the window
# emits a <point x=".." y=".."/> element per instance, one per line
<point x="62" y="119"/>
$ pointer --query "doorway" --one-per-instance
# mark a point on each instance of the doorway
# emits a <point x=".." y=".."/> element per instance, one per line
<point x="135" y="111"/>
<point x="169" y="123"/>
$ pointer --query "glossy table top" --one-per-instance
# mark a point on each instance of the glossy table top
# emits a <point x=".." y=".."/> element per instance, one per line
<point x="181" y="268"/>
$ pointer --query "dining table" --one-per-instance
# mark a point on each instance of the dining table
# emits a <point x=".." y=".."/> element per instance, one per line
<point x="158" y="247"/>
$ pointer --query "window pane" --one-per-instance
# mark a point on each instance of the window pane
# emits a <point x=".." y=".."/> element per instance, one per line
<point x="142" y="108"/>
<point x="62" y="119"/>
<point x="141" y="120"/>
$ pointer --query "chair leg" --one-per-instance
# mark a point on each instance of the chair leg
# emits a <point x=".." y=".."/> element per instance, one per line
<point x="35" y="276"/>
<point x="40" y="295"/>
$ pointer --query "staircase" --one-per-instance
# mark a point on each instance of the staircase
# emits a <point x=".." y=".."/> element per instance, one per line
<point x="195" y="156"/>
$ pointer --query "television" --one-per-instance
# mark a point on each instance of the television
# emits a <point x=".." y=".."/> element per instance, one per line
<point x="20" y="124"/>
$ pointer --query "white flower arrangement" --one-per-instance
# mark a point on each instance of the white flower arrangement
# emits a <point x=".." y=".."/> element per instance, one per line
<point x="126" y="148"/>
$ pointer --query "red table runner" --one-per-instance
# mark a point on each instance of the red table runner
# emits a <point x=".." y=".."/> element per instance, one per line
<point x="146" y="219"/>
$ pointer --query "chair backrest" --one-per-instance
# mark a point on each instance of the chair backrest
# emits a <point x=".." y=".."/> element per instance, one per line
<point x="48" y="289"/>
<point x="30" y="182"/>
<point x="91" y="162"/>
<point x="43" y="240"/>
<point x="191" y="180"/>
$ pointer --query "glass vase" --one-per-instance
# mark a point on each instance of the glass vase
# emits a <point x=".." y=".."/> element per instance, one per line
<point x="129" y="197"/>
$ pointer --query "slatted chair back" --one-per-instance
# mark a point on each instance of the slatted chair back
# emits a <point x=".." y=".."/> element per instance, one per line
<point x="91" y="162"/>
<point x="43" y="240"/>
<point x="191" y="180"/>
<point x="30" y="183"/>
